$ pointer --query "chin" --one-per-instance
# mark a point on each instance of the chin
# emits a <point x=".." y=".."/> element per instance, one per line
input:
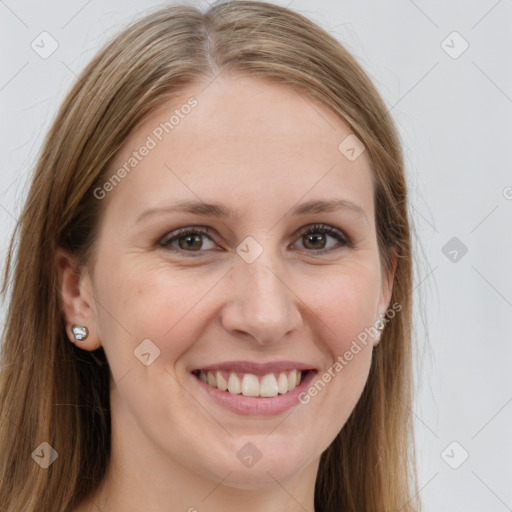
<point x="258" y="474"/>
<point x="258" y="478"/>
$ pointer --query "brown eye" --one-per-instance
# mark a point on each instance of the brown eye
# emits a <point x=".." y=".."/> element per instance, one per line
<point x="316" y="237"/>
<point x="193" y="242"/>
<point x="187" y="240"/>
<point x="314" y="241"/>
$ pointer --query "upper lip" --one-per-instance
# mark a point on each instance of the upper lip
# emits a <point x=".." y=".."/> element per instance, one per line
<point x="257" y="368"/>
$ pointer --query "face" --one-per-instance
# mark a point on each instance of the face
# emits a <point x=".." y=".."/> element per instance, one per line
<point x="271" y="287"/>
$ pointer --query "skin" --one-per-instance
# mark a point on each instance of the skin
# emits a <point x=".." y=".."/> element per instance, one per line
<point x="259" y="148"/>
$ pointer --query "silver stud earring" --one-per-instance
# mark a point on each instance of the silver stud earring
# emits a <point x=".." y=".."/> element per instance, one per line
<point x="79" y="332"/>
<point x="381" y="323"/>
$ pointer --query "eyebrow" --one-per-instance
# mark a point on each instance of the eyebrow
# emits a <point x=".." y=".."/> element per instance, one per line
<point x="221" y="211"/>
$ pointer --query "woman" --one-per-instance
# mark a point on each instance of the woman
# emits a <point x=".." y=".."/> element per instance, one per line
<point x="211" y="298"/>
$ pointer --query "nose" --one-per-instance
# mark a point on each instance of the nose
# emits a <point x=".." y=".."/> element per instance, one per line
<point x="261" y="303"/>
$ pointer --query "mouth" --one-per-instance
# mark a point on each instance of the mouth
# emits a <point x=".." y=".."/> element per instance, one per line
<point x="256" y="384"/>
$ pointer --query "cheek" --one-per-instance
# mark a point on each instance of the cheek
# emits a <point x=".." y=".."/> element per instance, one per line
<point x="343" y="311"/>
<point x="345" y="305"/>
<point x="138" y="302"/>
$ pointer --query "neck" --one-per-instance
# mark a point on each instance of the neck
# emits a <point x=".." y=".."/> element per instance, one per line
<point x="146" y="488"/>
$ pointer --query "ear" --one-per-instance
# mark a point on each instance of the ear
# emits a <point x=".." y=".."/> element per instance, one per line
<point x="76" y="299"/>
<point x="387" y="283"/>
<point x="387" y="286"/>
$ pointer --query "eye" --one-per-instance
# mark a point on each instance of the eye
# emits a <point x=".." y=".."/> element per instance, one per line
<point x="317" y="235"/>
<point x="187" y="239"/>
<point x="190" y="240"/>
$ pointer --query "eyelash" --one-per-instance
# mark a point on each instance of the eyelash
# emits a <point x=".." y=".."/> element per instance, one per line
<point x="166" y="241"/>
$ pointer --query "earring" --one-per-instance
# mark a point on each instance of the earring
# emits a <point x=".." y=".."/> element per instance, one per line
<point x="79" y="332"/>
<point x="381" y="323"/>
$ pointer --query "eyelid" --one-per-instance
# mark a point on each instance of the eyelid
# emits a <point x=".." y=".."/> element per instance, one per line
<point x="168" y="237"/>
<point x="326" y="228"/>
<point x="336" y="233"/>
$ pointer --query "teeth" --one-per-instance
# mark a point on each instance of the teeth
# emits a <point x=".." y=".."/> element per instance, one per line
<point x="234" y="385"/>
<point x="210" y="378"/>
<point x="250" y="385"/>
<point x="282" y="384"/>
<point x="268" y="385"/>
<point x="222" y="383"/>
<point x="292" y="380"/>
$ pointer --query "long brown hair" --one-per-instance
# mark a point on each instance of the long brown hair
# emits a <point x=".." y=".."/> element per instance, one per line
<point x="51" y="391"/>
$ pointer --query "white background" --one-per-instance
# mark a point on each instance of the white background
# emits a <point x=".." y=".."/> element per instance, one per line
<point x="455" y="119"/>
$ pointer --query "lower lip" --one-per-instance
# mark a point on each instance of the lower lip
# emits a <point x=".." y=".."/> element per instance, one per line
<point x="257" y="406"/>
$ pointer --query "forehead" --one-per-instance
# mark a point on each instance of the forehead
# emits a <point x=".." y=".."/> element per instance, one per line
<point x="243" y="140"/>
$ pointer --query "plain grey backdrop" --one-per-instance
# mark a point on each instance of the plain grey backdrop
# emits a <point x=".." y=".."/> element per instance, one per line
<point x="445" y="71"/>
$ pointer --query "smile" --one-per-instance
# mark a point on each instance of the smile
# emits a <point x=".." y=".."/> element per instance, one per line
<point x="251" y="385"/>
